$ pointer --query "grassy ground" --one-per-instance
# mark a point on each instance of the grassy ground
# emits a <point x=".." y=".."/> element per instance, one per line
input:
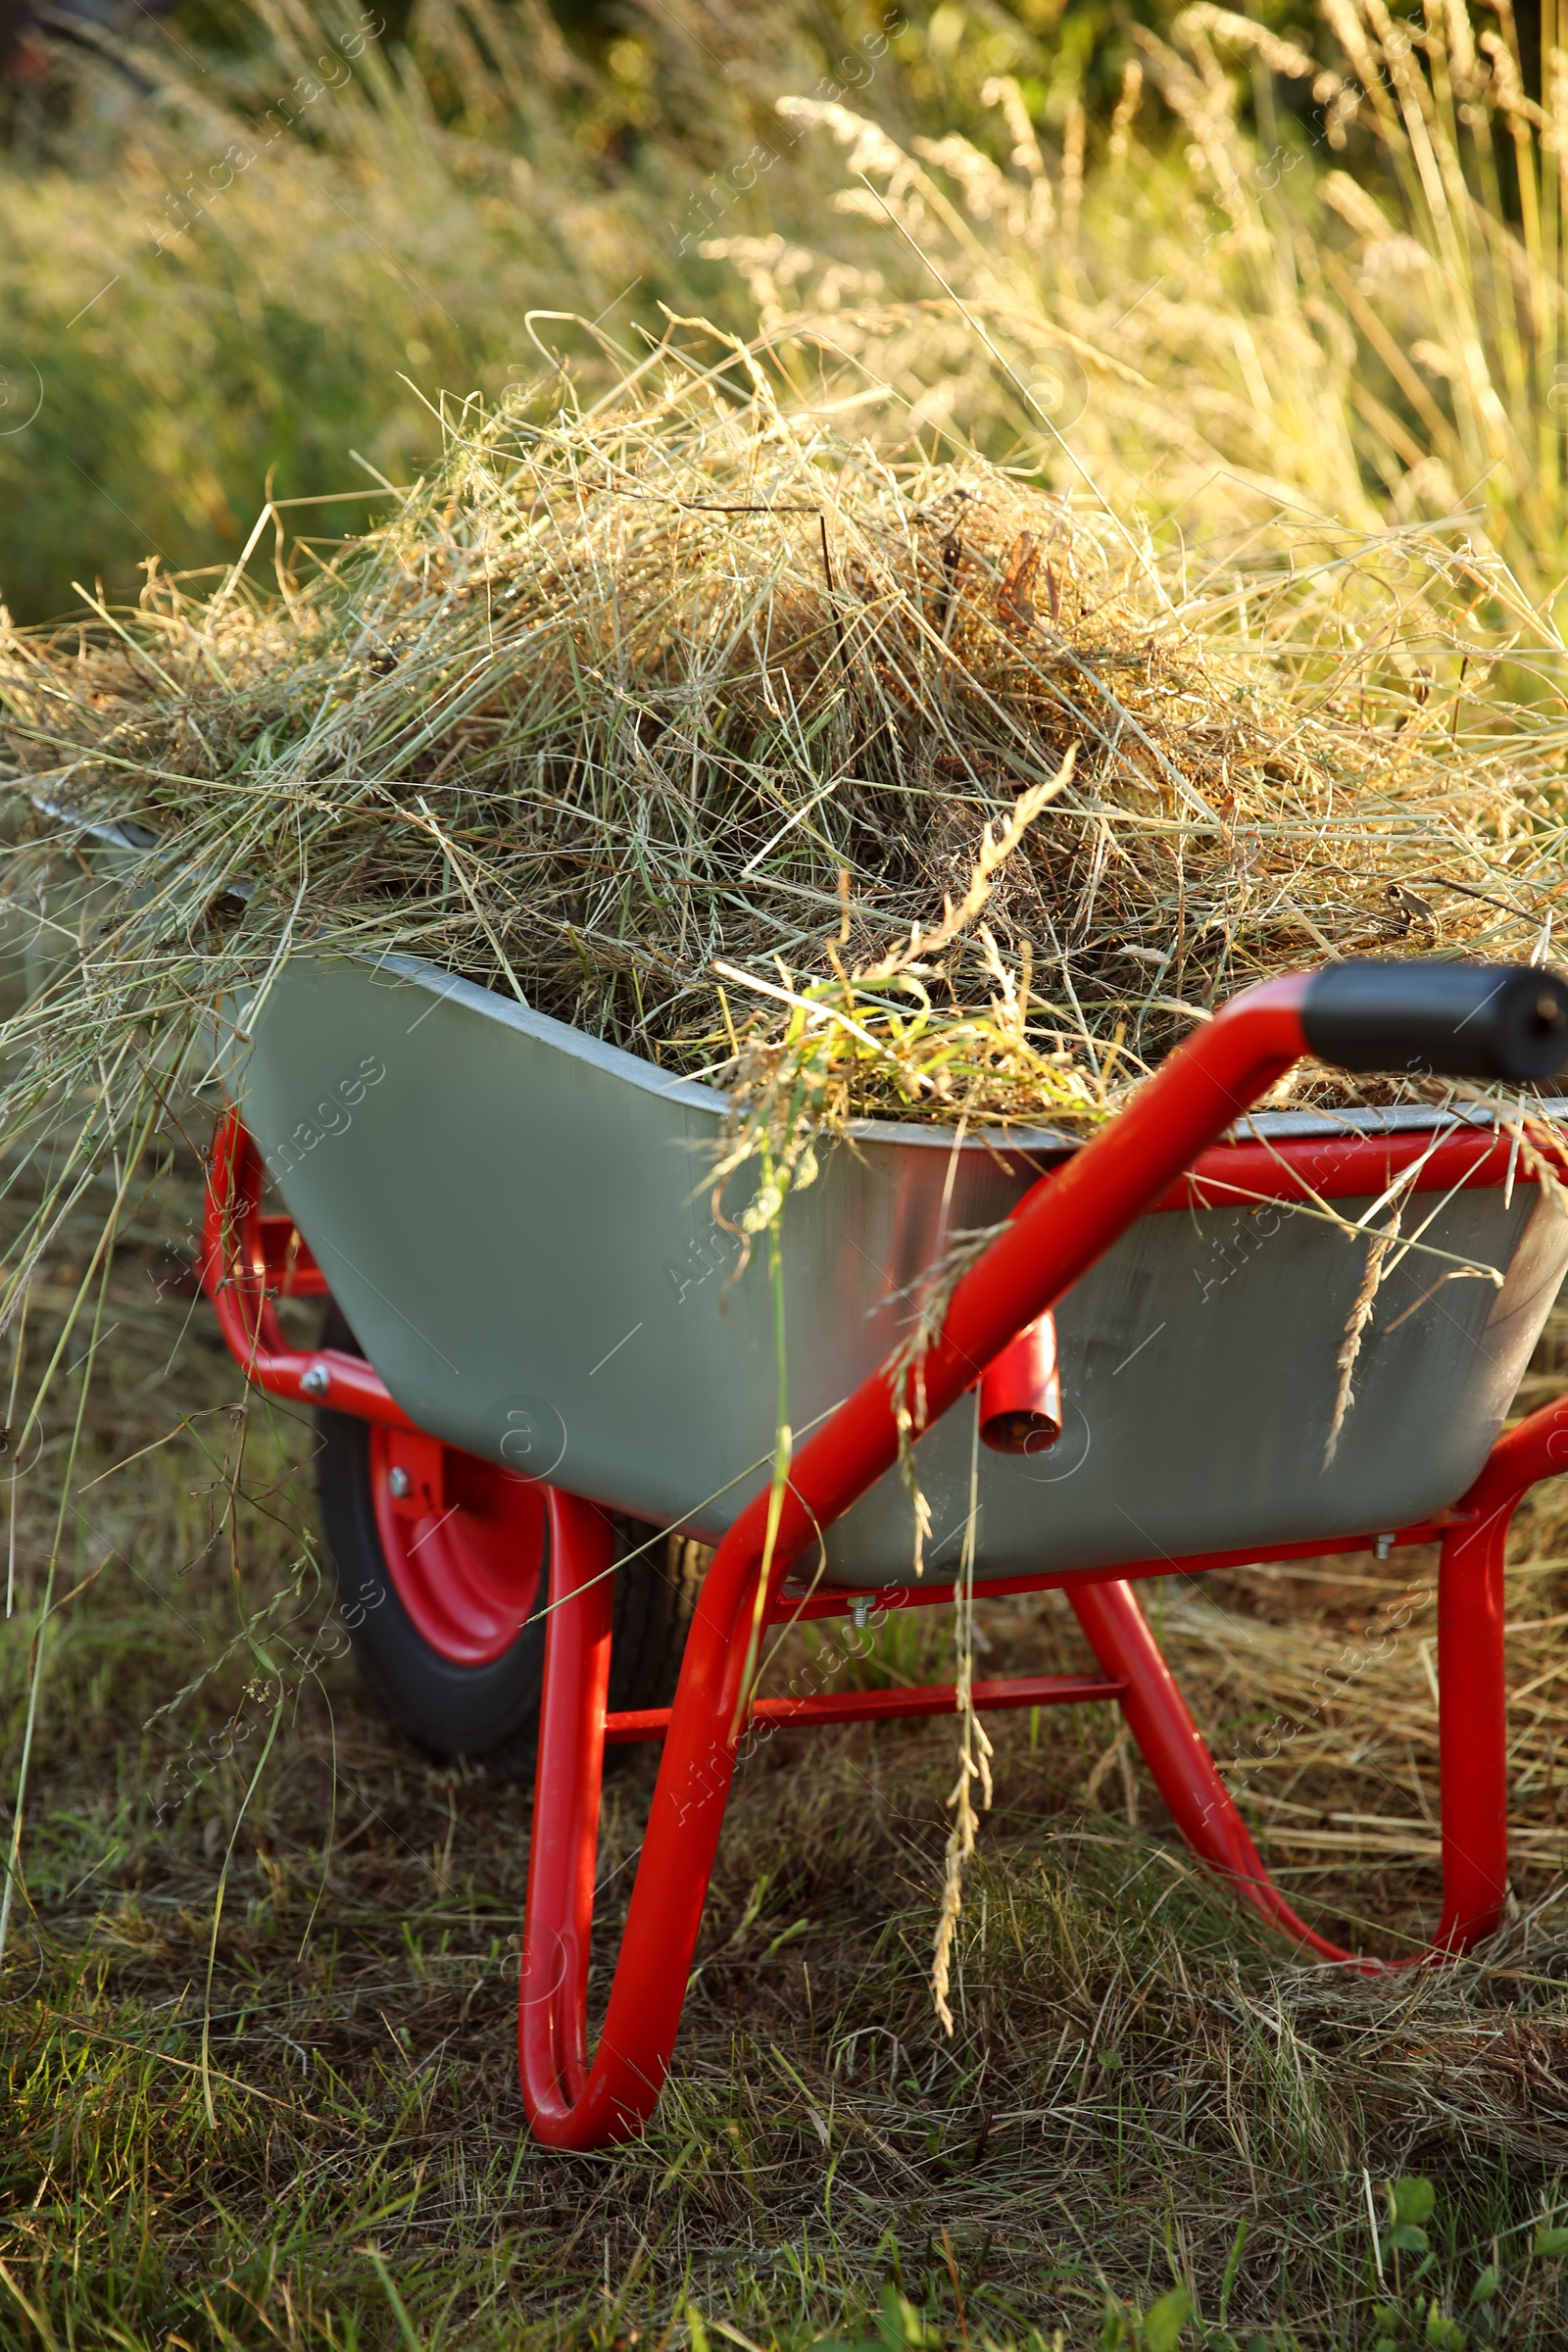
<point x="257" y="2003"/>
<point x="258" y="2009"/>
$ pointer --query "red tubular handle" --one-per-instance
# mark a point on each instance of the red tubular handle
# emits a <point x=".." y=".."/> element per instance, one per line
<point x="1063" y="1225"/>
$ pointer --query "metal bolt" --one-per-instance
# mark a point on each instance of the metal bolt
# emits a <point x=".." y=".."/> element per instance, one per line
<point x="1384" y="1546"/>
<point x="400" y="1482"/>
<point x="316" y="1381"/>
<point x="860" y="1611"/>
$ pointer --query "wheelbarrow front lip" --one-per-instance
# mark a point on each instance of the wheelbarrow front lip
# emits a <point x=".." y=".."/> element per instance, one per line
<point x="1325" y="1120"/>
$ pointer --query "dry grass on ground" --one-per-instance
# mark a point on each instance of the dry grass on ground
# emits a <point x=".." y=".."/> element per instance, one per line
<point x="261" y="2084"/>
<point x="1141" y="2094"/>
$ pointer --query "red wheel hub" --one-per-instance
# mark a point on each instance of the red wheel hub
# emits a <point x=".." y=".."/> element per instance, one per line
<point x="463" y="1542"/>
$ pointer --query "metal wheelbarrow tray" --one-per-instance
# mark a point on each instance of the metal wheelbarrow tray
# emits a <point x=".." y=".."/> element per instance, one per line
<point x="515" y="1221"/>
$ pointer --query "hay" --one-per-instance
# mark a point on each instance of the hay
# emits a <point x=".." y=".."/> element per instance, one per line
<point x="864" y="783"/>
<point x="697" y="680"/>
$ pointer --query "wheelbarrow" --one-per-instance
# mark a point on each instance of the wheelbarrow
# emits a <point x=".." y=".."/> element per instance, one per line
<point x="547" y="1375"/>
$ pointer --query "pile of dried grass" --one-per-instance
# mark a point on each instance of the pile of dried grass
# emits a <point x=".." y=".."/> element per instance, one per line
<point x="736" y="735"/>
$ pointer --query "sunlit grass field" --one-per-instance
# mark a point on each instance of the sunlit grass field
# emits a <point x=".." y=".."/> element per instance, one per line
<point x="259" y="1987"/>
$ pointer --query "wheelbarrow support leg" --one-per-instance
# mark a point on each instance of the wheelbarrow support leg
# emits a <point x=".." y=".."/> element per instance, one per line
<point x="1471" y="1713"/>
<point x="1178" y="1757"/>
<point x="1473" y="1729"/>
<point x="571" y="2104"/>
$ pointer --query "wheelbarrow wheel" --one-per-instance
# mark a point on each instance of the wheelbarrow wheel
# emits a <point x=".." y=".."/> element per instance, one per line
<point x="442" y="1566"/>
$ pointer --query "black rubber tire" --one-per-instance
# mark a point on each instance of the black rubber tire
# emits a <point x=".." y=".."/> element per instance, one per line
<point x="490" y="1713"/>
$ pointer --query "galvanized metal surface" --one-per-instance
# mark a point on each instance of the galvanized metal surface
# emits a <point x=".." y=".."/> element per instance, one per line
<point x="514" y="1219"/>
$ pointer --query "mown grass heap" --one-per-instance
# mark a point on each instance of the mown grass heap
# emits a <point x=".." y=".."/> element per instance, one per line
<point x="867" y="783"/>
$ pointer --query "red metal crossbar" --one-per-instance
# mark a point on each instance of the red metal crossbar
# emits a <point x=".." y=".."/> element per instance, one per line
<point x="884" y="1706"/>
<point x="795" y="1605"/>
<point x="1153" y="1158"/>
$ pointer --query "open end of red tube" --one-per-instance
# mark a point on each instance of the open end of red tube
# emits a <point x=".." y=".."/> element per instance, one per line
<point x="1020" y="1392"/>
<point x="1019" y="1433"/>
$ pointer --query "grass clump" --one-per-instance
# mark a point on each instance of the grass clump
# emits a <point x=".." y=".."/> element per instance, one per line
<point x="1146" y="2097"/>
<point x="563" y="724"/>
<point x="720" y="732"/>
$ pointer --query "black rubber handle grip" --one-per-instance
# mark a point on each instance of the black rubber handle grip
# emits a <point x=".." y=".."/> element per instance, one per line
<point x="1441" y="1020"/>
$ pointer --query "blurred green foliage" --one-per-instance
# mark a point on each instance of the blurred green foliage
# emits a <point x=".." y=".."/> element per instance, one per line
<point x="194" y="330"/>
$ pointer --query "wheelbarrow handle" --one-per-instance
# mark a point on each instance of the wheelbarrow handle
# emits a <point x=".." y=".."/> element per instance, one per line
<point x="1439" y="1020"/>
<point x="1363" y="1016"/>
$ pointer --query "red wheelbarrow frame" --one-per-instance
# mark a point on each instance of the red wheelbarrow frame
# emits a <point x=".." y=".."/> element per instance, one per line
<point x="1062" y="1226"/>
